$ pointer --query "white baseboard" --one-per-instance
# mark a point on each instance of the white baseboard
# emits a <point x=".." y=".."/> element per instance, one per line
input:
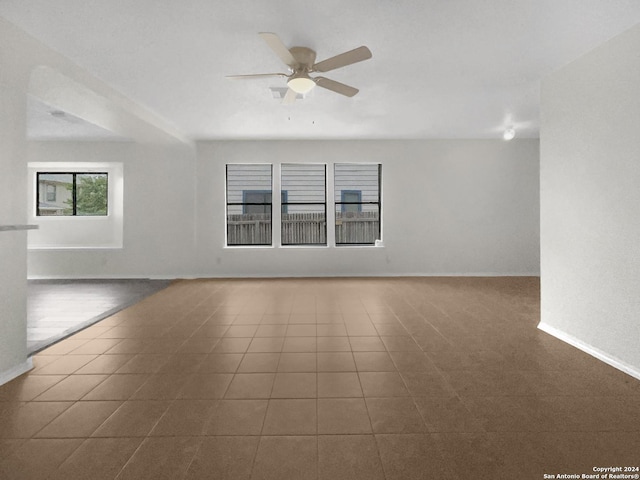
<point x="591" y="350"/>
<point x="16" y="371"/>
<point x="280" y="275"/>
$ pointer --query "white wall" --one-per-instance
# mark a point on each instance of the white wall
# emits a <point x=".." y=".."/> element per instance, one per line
<point x="590" y="202"/>
<point x="159" y="196"/>
<point x="13" y="262"/>
<point x="14" y="76"/>
<point x="452" y="207"/>
<point x="71" y="231"/>
<point x="158" y="226"/>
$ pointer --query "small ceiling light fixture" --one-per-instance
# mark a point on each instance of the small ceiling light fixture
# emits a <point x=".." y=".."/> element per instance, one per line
<point x="301" y="83"/>
<point x="509" y="133"/>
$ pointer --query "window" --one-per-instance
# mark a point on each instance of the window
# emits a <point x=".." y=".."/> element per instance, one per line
<point x="357" y="201"/>
<point x="253" y="201"/>
<point x="351" y="201"/>
<point x="249" y="204"/>
<point x="51" y="192"/>
<point x="304" y="208"/>
<point x="72" y="194"/>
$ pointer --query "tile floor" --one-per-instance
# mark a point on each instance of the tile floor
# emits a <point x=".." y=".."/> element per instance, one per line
<point x="58" y="308"/>
<point x="426" y="378"/>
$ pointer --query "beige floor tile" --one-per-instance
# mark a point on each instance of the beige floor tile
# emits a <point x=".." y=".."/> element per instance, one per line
<point x="400" y="344"/>
<point x="382" y="384"/>
<point x="237" y="417"/>
<point x="343" y="416"/>
<point x="161" y="458"/>
<point x="240" y="331"/>
<point x="395" y="415"/>
<point x="209" y="330"/>
<point x="65" y="346"/>
<point x="232" y="345"/>
<point x="128" y="346"/>
<point x="286" y="457"/>
<point x="333" y="344"/>
<point x="133" y="419"/>
<point x="251" y="385"/>
<point x="360" y="329"/>
<point x="277" y="318"/>
<point x="348" y="457"/>
<point x="267" y="330"/>
<point x="266" y="345"/>
<point x="105" y="364"/>
<point x="96" y="346"/>
<point x="331" y="330"/>
<point x="161" y="387"/>
<point x="300" y="318"/>
<point x="183" y="363"/>
<point x="294" y="385"/>
<point x="481" y="452"/>
<point x="301" y="330"/>
<point x="390" y="329"/>
<point x="448" y="414"/>
<point x="412" y="362"/>
<point x="198" y="344"/>
<point x="425" y="384"/>
<point x="374" y="362"/>
<point x="27" y="387"/>
<point x="299" y="344"/>
<point x="35" y="459"/>
<point x="412" y="456"/>
<point x="79" y="420"/>
<point x="143" y="363"/>
<point x="117" y="387"/>
<point x="367" y="344"/>
<point x="329" y="317"/>
<point x="497" y="398"/>
<point x="335" y="362"/>
<point x="339" y="384"/>
<point x="205" y="386"/>
<point x="97" y="459"/>
<point x="259" y="363"/>
<point x="249" y="317"/>
<point x="65" y="365"/>
<point x="297" y="362"/>
<point x="224" y="458"/>
<point x="162" y="345"/>
<point x="290" y="417"/>
<point x="18" y="420"/>
<point x="221" y="363"/>
<point x="185" y="418"/>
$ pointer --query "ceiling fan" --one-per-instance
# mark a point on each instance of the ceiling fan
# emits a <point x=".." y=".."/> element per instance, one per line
<point x="301" y="62"/>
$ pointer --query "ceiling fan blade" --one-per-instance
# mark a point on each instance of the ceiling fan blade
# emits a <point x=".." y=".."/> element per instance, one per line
<point x="289" y="97"/>
<point x="256" y="75"/>
<point x="278" y="47"/>
<point x="347" y="58"/>
<point x="337" y="87"/>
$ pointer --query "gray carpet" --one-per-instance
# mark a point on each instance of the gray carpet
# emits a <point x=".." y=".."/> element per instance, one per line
<point x="59" y="308"/>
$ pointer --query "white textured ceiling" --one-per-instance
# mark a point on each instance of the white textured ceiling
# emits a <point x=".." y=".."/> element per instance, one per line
<point x="47" y="122"/>
<point x="440" y="69"/>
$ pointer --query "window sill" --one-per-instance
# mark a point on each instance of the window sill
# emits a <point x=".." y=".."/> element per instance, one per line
<point x="75" y="247"/>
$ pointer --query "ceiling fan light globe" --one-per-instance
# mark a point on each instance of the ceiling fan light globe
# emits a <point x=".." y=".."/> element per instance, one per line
<point x="301" y="85"/>
<point x="509" y="134"/>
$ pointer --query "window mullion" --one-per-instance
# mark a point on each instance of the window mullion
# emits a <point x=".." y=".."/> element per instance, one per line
<point x="74" y="197"/>
<point x="330" y="212"/>
<point x="276" y="208"/>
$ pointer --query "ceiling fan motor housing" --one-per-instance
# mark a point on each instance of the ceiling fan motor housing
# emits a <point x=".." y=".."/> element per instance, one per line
<point x="305" y="58"/>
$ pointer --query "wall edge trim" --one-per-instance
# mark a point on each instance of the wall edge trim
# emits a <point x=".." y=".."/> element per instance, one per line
<point x="16" y="371"/>
<point x="591" y="350"/>
<point x="192" y="276"/>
